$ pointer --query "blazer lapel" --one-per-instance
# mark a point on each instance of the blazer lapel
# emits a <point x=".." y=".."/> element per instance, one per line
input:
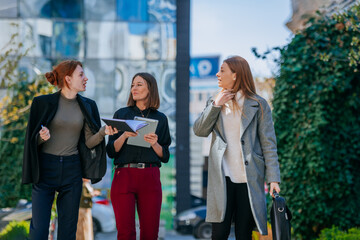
<point x="52" y="106"/>
<point x="249" y="110"/>
<point x="86" y="110"/>
<point x="85" y="104"/>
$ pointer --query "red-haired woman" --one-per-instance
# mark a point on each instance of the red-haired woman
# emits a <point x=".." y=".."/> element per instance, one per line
<point x="136" y="183"/>
<point x="243" y="153"/>
<point x="64" y="142"/>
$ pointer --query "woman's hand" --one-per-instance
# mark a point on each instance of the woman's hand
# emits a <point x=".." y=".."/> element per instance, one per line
<point x="223" y="97"/>
<point x="119" y="142"/>
<point x="44" y="133"/>
<point x="274" y="186"/>
<point x="151" y="138"/>
<point x="129" y="134"/>
<point x="95" y="193"/>
<point x="110" y="131"/>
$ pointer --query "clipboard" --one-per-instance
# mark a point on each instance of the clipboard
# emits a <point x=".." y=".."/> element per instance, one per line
<point x="139" y="139"/>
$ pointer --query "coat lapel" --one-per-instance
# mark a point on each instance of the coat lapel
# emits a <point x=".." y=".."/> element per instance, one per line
<point x="220" y="128"/>
<point x="249" y="110"/>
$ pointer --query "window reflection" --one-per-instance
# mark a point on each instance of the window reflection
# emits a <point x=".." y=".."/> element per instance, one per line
<point x="8" y="8"/>
<point x="67" y="8"/>
<point x="7" y="29"/>
<point x="138" y="41"/>
<point x="162" y="10"/>
<point x="36" y="35"/>
<point x="100" y="86"/>
<point x="168" y="41"/>
<point x="69" y="39"/>
<point x="132" y="10"/>
<point x="34" y="67"/>
<point x="35" y="8"/>
<point x="100" y="47"/>
<point x="100" y="10"/>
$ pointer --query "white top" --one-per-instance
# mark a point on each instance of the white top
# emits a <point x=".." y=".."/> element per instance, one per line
<point x="233" y="163"/>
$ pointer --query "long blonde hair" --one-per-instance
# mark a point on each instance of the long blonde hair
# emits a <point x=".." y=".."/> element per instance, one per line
<point x="244" y="82"/>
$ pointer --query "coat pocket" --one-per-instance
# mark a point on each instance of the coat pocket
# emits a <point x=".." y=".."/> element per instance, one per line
<point x="259" y="163"/>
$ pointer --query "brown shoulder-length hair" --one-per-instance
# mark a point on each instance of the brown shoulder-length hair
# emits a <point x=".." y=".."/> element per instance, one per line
<point x="65" y="68"/>
<point x="244" y="80"/>
<point x="153" y="100"/>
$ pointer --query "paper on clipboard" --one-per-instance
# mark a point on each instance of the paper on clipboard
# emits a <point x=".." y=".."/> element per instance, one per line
<point x="125" y="125"/>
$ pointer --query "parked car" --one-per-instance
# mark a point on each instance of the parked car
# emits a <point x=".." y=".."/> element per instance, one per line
<point x="102" y="214"/>
<point x="192" y="221"/>
<point x="197" y="201"/>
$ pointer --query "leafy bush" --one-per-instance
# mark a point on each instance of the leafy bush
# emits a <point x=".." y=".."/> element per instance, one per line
<point x="316" y="114"/>
<point x="15" y="231"/>
<point x="14" y="112"/>
<point x="336" y="233"/>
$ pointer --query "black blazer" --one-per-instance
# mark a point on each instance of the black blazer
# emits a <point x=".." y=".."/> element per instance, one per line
<point x="42" y="112"/>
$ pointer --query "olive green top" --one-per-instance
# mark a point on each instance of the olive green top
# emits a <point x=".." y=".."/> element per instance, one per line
<point x="65" y="130"/>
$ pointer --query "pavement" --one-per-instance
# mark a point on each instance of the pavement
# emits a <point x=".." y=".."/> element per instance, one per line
<point x="169" y="235"/>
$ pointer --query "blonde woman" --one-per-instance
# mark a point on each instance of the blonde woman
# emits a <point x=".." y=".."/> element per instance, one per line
<point x="243" y="153"/>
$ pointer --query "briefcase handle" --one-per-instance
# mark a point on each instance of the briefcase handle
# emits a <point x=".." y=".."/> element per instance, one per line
<point x="276" y="195"/>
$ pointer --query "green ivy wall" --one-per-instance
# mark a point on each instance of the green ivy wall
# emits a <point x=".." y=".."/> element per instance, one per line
<point x="317" y="122"/>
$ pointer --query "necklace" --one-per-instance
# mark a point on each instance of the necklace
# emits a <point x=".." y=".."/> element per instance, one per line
<point x="142" y="114"/>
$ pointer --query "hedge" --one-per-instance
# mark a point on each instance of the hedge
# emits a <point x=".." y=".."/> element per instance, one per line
<point x="14" y="112"/>
<point x="15" y="231"/>
<point x="336" y="233"/>
<point x="317" y="122"/>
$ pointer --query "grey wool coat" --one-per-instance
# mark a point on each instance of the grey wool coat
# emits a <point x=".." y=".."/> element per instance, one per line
<point x="260" y="157"/>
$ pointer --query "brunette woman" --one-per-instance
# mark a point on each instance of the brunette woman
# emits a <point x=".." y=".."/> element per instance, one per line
<point x="136" y="183"/>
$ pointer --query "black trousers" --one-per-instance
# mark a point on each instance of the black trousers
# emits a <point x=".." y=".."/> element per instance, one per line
<point x="237" y="209"/>
<point x="63" y="175"/>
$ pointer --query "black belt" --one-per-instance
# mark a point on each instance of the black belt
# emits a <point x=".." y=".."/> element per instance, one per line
<point x="137" y="165"/>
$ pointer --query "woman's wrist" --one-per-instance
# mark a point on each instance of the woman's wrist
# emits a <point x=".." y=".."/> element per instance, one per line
<point x="123" y="136"/>
<point x="215" y="105"/>
<point x="120" y="139"/>
<point x="102" y="131"/>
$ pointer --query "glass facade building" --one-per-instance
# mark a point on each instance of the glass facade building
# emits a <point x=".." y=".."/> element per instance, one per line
<point x="113" y="38"/>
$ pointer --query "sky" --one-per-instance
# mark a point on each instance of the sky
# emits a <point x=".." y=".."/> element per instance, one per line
<point x="233" y="27"/>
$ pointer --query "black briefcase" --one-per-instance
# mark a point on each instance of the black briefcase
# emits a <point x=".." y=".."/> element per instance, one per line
<point x="280" y="217"/>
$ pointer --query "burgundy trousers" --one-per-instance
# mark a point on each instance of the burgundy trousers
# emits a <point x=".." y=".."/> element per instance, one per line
<point x="140" y="189"/>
